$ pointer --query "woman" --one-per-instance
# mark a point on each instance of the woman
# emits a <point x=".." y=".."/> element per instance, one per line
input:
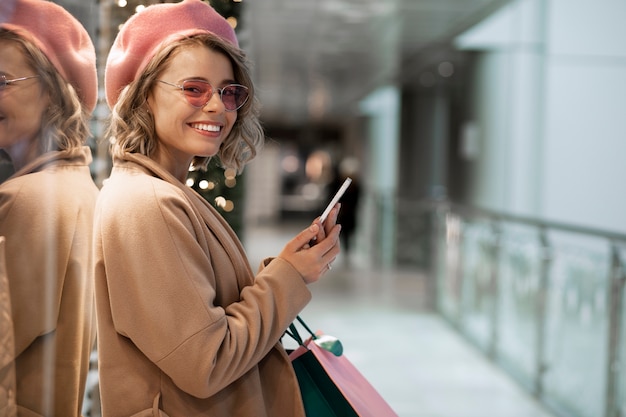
<point x="48" y="88"/>
<point x="184" y="327"/>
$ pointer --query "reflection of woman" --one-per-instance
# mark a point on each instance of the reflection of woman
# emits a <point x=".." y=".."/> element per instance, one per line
<point x="47" y="90"/>
<point x="183" y="324"/>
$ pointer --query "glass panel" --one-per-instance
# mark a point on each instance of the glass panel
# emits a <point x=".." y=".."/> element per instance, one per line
<point x="521" y="255"/>
<point x="577" y="324"/>
<point x="449" y="289"/>
<point x="478" y="289"/>
<point x="620" y="366"/>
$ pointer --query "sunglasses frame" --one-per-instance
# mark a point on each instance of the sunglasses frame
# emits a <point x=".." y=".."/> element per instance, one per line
<point x="181" y="87"/>
<point x="4" y="82"/>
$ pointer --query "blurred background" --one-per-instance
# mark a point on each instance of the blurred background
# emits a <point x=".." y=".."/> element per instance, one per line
<point x="487" y="143"/>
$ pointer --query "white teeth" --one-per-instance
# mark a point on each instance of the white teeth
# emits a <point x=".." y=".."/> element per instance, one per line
<point x="208" y="128"/>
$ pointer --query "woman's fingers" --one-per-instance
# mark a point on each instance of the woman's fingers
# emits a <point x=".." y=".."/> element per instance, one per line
<point x="303" y="239"/>
<point x="312" y="261"/>
<point x="331" y="242"/>
<point x="328" y="225"/>
<point x="331" y="221"/>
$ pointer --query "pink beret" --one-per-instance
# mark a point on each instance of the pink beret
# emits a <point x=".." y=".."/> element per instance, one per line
<point x="61" y="37"/>
<point x="141" y="37"/>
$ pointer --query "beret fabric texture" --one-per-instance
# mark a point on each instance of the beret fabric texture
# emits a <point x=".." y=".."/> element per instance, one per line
<point x="61" y="37"/>
<point x="143" y="35"/>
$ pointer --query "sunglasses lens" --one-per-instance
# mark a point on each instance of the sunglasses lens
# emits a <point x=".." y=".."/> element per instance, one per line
<point x="197" y="93"/>
<point x="234" y="96"/>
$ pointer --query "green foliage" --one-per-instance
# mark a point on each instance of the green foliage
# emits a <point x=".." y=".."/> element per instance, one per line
<point x="227" y="8"/>
<point x="223" y="191"/>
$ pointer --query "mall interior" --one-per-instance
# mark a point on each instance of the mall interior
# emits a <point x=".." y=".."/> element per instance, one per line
<point x="482" y="274"/>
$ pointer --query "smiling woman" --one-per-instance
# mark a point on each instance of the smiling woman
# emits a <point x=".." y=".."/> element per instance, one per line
<point x="181" y="316"/>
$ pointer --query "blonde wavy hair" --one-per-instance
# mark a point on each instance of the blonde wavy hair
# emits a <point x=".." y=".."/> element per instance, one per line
<point x="65" y="123"/>
<point x="132" y="127"/>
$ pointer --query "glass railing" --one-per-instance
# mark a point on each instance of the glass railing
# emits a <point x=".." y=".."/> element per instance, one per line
<point x="543" y="300"/>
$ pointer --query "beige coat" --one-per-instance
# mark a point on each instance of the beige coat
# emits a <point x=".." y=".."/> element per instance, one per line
<point x="181" y="317"/>
<point x="46" y="217"/>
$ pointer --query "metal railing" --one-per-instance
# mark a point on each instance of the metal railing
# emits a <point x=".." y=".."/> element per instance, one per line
<point x="543" y="300"/>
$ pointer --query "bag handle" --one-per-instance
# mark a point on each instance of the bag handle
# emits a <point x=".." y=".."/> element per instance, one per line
<point x="295" y="335"/>
<point x="326" y="342"/>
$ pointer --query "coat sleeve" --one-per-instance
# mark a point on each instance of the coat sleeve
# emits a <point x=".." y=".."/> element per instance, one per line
<point x="162" y="287"/>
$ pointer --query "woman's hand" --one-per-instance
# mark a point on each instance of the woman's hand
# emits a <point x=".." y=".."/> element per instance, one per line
<point x="328" y="225"/>
<point x="313" y="250"/>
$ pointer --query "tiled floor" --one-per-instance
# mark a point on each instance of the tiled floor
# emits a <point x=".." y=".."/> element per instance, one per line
<point x="419" y="364"/>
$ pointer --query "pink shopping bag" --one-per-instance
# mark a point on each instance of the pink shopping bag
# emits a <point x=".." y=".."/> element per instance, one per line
<point x="331" y="385"/>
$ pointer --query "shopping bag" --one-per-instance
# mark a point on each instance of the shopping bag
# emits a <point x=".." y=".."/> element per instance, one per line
<point x="330" y="384"/>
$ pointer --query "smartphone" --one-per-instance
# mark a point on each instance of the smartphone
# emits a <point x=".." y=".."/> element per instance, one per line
<point x="335" y="199"/>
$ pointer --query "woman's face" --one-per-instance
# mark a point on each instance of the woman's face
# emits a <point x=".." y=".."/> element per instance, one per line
<point x="22" y="105"/>
<point x="184" y="131"/>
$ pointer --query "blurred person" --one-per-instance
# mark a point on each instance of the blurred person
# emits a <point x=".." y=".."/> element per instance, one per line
<point x="48" y="88"/>
<point x="184" y="326"/>
<point x="348" y="167"/>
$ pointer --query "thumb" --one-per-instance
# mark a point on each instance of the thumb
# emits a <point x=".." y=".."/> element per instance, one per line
<point x="304" y="237"/>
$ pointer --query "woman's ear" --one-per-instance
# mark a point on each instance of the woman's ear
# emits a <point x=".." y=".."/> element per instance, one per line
<point x="148" y="103"/>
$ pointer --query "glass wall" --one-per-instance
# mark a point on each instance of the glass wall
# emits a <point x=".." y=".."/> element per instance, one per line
<point x="543" y="300"/>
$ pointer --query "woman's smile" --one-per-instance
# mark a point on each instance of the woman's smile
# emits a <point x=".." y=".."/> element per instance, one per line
<point x="206" y="127"/>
